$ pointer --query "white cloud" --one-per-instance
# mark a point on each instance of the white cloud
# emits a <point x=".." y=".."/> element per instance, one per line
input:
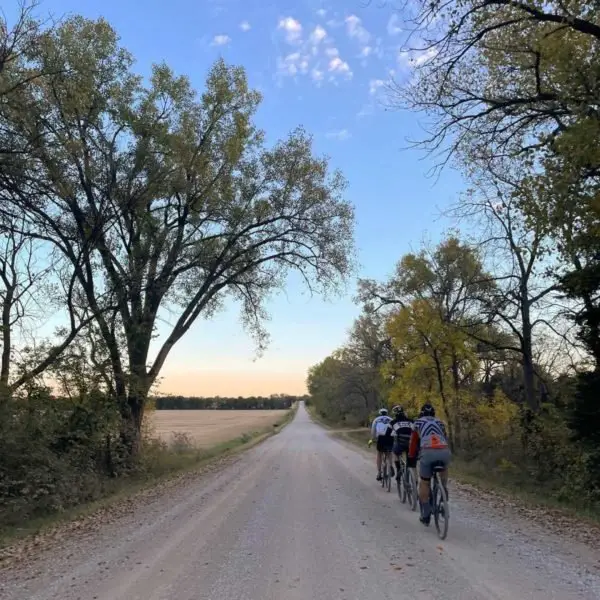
<point x="292" y="28"/>
<point x="293" y="64"/>
<point x="416" y="58"/>
<point x="317" y="75"/>
<point x="245" y="26"/>
<point x="424" y="56"/>
<point x="356" y="30"/>
<point x="341" y="135"/>
<point x="337" y="65"/>
<point x="314" y="56"/>
<point x="221" y="40"/>
<point x="318" y="35"/>
<point x="393" y="26"/>
<point x="366" y="51"/>
<point x="375" y="85"/>
<point x="321" y="12"/>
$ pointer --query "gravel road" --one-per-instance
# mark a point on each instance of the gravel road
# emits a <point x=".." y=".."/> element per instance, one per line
<point x="301" y="517"/>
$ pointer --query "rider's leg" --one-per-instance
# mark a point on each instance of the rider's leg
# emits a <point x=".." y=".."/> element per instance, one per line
<point x="391" y="468"/>
<point x="397" y="452"/>
<point x="425" y="474"/>
<point x="379" y="459"/>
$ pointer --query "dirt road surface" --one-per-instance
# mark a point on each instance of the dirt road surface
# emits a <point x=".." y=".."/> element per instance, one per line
<point x="301" y="517"/>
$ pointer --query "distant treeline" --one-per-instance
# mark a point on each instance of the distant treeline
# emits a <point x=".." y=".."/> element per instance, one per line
<point x="277" y="402"/>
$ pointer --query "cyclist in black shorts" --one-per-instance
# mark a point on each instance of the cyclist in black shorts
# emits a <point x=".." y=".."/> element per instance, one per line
<point x="381" y="432"/>
<point x="402" y="428"/>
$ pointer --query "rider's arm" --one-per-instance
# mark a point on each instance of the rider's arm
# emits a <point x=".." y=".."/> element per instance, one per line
<point x="413" y="446"/>
<point x="373" y="429"/>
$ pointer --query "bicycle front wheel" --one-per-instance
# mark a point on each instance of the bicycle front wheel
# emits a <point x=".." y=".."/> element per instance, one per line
<point x="441" y="511"/>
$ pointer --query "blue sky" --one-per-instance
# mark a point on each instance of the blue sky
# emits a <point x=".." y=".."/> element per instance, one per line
<point x="322" y="65"/>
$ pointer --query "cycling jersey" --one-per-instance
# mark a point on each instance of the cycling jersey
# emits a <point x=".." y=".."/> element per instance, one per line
<point x="381" y="427"/>
<point x="428" y="433"/>
<point x="402" y="428"/>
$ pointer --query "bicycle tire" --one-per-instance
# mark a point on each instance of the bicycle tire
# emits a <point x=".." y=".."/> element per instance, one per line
<point x="389" y="483"/>
<point x="441" y="511"/>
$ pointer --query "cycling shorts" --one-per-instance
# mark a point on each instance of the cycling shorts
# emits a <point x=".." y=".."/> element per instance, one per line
<point x="385" y="443"/>
<point x="431" y="456"/>
<point x="400" y="448"/>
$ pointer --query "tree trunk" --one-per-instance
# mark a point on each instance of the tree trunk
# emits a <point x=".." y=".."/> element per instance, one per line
<point x="132" y="416"/>
<point x="457" y="404"/>
<point x="527" y="356"/>
<point x="6" y="338"/>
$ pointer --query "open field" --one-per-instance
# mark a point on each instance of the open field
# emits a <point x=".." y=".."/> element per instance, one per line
<point x="211" y="427"/>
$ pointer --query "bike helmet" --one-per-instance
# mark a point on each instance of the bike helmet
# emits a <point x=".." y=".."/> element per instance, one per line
<point x="383" y="411"/>
<point x="398" y="410"/>
<point x="427" y="410"/>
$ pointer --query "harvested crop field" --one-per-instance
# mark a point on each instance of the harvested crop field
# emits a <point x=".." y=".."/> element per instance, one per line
<point x="208" y="428"/>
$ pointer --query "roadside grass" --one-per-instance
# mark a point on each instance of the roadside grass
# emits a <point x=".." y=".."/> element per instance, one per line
<point x="161" y="463"/>
<point x="509" y="483"/>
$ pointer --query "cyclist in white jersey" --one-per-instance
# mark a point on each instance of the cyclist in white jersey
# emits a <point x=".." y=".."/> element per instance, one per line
<point x="381" y="432"/>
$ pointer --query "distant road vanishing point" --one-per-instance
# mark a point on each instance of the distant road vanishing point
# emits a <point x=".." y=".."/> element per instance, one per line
<point x="301" y="517"/>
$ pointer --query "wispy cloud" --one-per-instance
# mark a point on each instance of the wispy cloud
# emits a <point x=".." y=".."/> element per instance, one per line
<point x="317" y="75"/>
<point x="292" y="28"/>
<point x="356" y="30"/>
<point x="393" y="26"/>
<point x="410" y="59"/>
<point x="314" y="57"/>
<point x="221" y="40"/>
<point x="245" y="26"/>
<point x="318" y="35"/>
<point x="293" y="64"/>
<point x="375" y="85"/>
<point x="340" y="135"/>
<point x="339" y="66"/>
<point x="321" y="12"/>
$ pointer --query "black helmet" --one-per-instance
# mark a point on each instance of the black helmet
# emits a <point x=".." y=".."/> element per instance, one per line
<point x="398" y="410"/>
<point x="427" y="410"/>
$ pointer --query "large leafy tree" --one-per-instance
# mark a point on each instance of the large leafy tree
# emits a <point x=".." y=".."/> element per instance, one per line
<point x="518" y="80"/>
<point x="162" y="199"/>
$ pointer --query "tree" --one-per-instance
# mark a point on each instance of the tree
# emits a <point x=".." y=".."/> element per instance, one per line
<point x="515" y="80"/>
<point x="523" y="264"/>
<point x="158" y="199"/>
<point x="436" y="359"/>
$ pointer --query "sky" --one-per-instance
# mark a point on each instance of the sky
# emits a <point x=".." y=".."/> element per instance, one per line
<point x="323" y="65"/>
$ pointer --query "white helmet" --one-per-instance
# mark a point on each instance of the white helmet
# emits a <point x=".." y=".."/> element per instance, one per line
<point x="383" y="411"/>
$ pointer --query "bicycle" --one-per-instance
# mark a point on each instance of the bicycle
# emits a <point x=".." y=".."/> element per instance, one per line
<point x="386" y="479"/>
<point x="439" y="501"/>
<point x="407" y="485"/>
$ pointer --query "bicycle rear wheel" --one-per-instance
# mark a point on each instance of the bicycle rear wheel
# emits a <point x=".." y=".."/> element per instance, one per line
<point x="389" y="482"/>
<point x="441" y="511"/>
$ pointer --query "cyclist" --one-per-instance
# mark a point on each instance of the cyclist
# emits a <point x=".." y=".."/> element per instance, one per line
<point x="402" y="427"/>
<point x="429" y="434"/>
<point x="381" y="432"/>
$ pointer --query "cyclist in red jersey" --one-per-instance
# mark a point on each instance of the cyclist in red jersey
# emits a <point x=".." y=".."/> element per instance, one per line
<point x="429" y="435"/>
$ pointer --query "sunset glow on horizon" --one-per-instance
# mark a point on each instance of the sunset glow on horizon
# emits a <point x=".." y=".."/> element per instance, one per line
<point x="232" y="383"/>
